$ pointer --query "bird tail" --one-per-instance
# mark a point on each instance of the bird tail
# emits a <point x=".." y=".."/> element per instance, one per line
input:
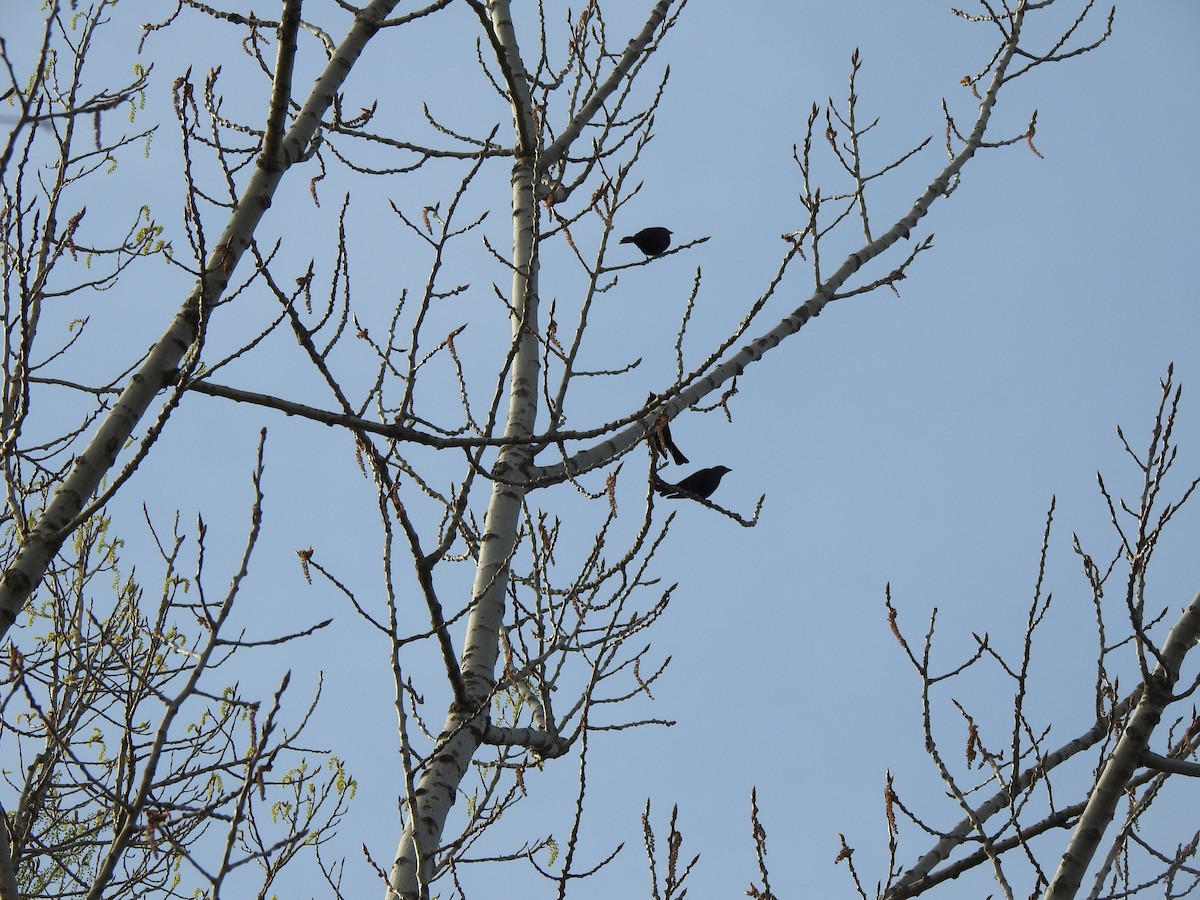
<point x="664" y="489"/>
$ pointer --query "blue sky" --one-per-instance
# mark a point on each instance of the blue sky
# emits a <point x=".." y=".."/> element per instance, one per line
<point x="915" y="441"/>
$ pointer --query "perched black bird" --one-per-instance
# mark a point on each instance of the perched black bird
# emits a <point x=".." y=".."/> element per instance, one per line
<point x="660" y="440"/>
<point x="700" y="483"/>
<point x="651" y="241"/>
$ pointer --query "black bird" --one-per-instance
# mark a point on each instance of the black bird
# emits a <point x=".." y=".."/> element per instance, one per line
<point x="651" y="241"/>
<point x="700" y="483"/>
<point x="660" y="439"/>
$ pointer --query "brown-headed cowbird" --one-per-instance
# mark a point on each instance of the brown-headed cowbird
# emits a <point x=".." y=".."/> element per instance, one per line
<point x="651" y="241"/>
<point x="660" y="439"/>
<point x="700" y="483"/>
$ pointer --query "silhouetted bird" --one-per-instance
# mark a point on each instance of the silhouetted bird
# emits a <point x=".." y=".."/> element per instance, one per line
<point x="651" y="241"/>
<point x="660" y="439"/>
<point x="699" y="484"/>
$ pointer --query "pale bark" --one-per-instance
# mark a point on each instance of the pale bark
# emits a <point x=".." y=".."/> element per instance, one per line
<point x="70" y="500"/>
<point x="1128" y="757"/>
<point x="465" y="726"/>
